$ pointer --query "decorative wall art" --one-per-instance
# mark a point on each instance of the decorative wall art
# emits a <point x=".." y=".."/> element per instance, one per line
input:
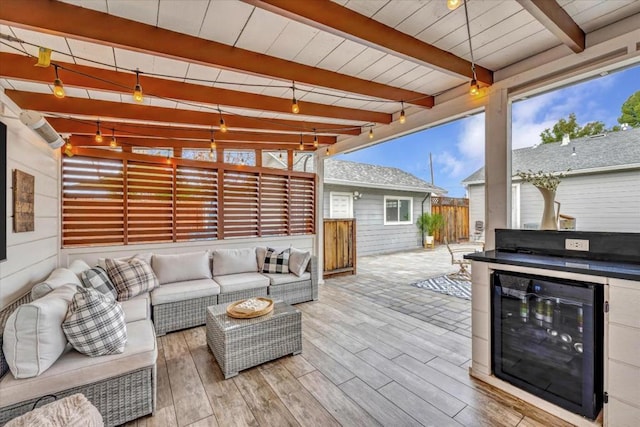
<point x="23" y="201"/>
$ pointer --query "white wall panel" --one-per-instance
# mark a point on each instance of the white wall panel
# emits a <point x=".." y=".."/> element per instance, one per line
<point x="30" y="255"/>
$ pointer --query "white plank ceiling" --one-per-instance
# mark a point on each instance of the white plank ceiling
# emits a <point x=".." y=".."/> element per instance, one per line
<point x="502" y="33"/>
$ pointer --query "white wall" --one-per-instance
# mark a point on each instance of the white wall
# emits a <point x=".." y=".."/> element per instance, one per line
<point x="599" y="202"/>
<point x="30" y="255"/>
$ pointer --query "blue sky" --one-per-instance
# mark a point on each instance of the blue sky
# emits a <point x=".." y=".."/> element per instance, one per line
<point x="458" y="147"/>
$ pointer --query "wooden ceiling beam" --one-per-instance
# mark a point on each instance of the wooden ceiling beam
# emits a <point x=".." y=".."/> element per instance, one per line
<point x="331" y="17"/>
<point x="117" y="110"/>
<point x="88" y="141"/>
<point x="21" y="67"/>
<point x="97" y="27"/>
<point x="134" y="130"/>
<point x="550" y="14"/>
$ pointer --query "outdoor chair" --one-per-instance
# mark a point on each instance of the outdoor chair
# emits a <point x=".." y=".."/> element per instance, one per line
<point x="457" y="253"/>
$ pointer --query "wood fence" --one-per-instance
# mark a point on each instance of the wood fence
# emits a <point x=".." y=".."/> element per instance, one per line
<point x="339" y="246"/>
<point x="456" y="218"/>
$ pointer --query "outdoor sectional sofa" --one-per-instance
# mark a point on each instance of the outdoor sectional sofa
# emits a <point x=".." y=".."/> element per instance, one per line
<point x="123" y="386"/>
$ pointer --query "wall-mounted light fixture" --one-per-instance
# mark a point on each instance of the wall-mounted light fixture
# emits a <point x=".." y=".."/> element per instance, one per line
<point x="357" y="195"/>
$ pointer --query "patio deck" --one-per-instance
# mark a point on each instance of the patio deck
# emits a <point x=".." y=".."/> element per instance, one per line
<point x="368" y="359"/>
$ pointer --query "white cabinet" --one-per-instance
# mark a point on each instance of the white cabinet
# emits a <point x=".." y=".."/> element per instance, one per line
<point x="623" y="354"/>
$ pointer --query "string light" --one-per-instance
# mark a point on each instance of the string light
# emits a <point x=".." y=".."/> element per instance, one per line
<point x="211" y="153"/>
<point x="68" y="149"/>
<point x="453" y="4"/>
<point x="58" y="89"/>
<point x="98" y="134"/>
<point x="113" y="143"/>
<point x="371" y="132"/>
<point x="213" y="141"/>
<point x="223" y="125"/>
<point x="474" y="87"/>
<point x="295" y="108"/>
<point x="301" y="146"/>
<point x="315" y="138"/>
<point x="327" y="152"/>
<point x="137" y="90"/>
<point x="403" y="118"/>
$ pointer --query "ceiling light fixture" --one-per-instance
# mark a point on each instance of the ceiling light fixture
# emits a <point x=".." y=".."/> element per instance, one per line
<point x="137" y="90"/>
<point x="371" y="132"/>
<point x="113" y="143"/>
<point x="295" y="108"/>
<point x="403" y="118"/>
<point x="474" y="87"/>
<point x="58" y="89"/>
<point x="453" y="4"/>
<point x="98" y="133"/>
<point x="315" y="138"/>
<point x="223" y="126"/>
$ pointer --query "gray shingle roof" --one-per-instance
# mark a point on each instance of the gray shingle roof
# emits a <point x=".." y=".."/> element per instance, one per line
<point x="364" y="175"/>
<point x="614" y="149"/>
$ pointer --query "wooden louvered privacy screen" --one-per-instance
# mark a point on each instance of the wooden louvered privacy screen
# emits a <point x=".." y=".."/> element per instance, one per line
<point x="119" y="201"/>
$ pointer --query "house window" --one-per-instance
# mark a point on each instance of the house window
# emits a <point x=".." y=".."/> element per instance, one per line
<point x="398" y="210"/>
<point x="341" y="205"/>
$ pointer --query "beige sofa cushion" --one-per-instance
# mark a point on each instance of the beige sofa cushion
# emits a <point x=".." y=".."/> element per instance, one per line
<point x="234" y="261"/>
<point x="181" y="267"/>
<point x="241" y="282"/>
<point x="182" y="291"/>
<point x="74" y="369"/>
<point x="57" y="278"/>
<point x="33" y="338"/>
<point x="137" y="308"/>
<point x="281" y="279"/>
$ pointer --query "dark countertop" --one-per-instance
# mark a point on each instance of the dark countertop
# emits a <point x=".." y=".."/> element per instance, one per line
<point x="620" y="270"/>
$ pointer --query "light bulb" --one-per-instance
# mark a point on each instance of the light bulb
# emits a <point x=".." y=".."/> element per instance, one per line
<point x="223" y="126"/>
<point x="58" y="89"/>
<point x="403" y="118"/>
<point x="211" y="153"/>
<point x="315" y="141"/>
<point x="301" y="146"/>
<point x="453" y="4"/>
<point x="137" y="93"/>
<point x="68" y="149"/>
<point x="371" y="133"/>
<point x="327" y="152"/>
<point x="113" y="143"/>
<point x="295" y="108"/>
<point x="213" y="145"/>
<point x="474" y="88"/>
<point x="99" y="137"/>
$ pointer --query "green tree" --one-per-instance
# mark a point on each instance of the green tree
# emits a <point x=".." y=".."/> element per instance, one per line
<point x="570" y="126"/>
<point x="631" y="111"/>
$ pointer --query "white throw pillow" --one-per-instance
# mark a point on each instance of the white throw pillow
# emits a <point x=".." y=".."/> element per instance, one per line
<point x="33" y="338"/>
<point x="78" y="266"/>
<point x="234" y="261"/>
<point x="95" y="324"/>
<point x="131" y="278"/>
<point x="181" y="267"/>
<point x="146" y="257"/>
<point x="298" y="261"/>
<point x="57" y="278"/>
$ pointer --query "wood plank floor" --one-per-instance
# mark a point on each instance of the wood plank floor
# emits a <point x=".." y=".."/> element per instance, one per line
<point x="362" y="364"/>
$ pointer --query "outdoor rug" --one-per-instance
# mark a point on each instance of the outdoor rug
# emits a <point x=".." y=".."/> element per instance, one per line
<point x="445" y="285"/>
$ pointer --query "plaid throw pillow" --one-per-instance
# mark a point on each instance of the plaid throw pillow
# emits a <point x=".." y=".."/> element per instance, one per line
<point x="97" y="278"/>
<point x="130" y="278"/>
<point x="95" y="324"/>
<point x="276" y="262"/>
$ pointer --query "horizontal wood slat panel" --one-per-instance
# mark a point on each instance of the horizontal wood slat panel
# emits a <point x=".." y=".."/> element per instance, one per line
<point x="125" y="200"/>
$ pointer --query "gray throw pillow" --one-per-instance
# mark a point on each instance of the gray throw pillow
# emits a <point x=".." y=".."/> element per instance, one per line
<point x="95" y="324"/>
<point x="98" y="279"/>
<point x="298" y="261"/>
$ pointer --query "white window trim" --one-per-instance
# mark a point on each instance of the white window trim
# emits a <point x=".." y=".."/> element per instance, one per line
<point x="340" y="193"/>
<point x="515" y="205"/>
<point x="384" y="210"/>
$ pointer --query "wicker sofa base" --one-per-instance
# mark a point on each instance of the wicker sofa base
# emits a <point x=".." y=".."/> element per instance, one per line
<point x="181" y="314"/>
<point x="292" y="293"/>
<point x="119" y="399"/>
<point x="235" y="296"/>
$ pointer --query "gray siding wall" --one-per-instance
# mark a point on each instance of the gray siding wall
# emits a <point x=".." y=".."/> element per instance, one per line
<point x="599" y="202"/>
<point x="372" y="236"/>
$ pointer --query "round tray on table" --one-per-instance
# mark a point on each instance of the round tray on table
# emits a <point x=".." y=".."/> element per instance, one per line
<point x="231" y="311"/>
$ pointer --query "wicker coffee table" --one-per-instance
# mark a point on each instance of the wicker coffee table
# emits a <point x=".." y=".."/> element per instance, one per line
<point x="239" y="344"/>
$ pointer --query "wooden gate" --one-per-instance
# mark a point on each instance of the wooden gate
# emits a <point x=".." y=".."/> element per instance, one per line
<point x="456" y="218"/>
<point x="339" y="246"/>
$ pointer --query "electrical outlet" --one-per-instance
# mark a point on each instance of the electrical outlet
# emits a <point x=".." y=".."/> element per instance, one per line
<point x="576" y="245"/>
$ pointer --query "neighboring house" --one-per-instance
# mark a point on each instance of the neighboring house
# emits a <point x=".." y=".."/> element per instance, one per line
<point x="601" y="189"/>
<point x="385" y="202"/>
